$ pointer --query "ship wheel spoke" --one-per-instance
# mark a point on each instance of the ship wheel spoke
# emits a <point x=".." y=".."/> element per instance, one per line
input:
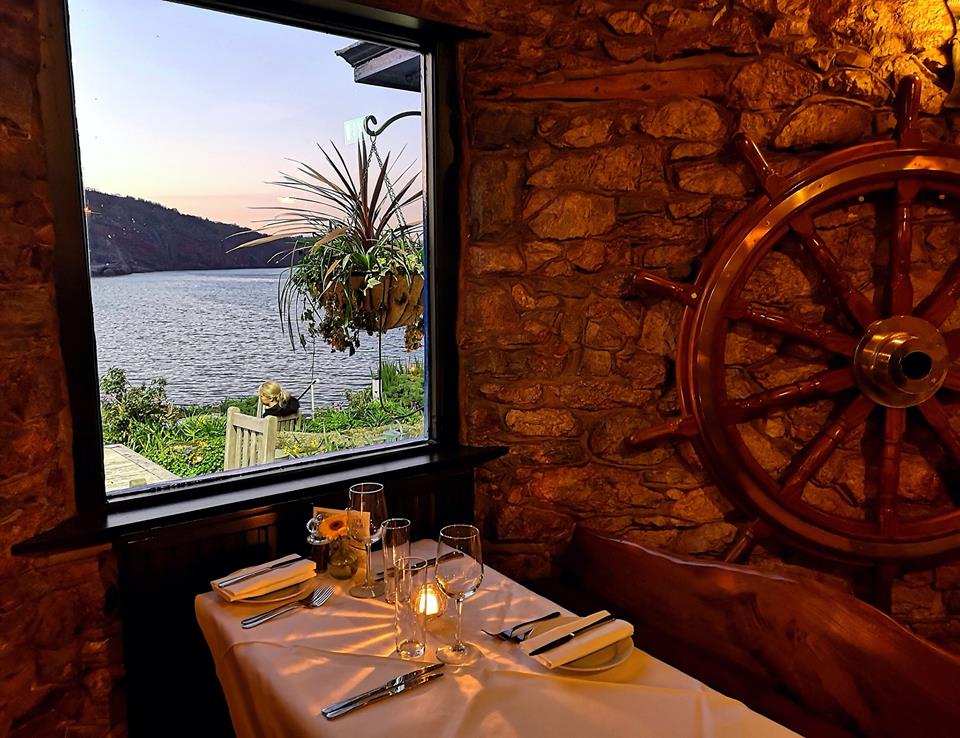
<point x="819" y="335"/>
<point x="819" y="449"/>
<point x="900" y="288"/>
<point x="856" y="303"/>
<point x="895" y="423"/>
<point x="953" y="342"/>
<point x="828" y="382"/>
<point x="952" y="382"/>
<point x="935" y="414"/>
<point x="937" y="306"/>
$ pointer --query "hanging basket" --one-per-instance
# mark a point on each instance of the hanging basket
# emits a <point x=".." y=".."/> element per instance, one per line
<point x="395" y="302"/>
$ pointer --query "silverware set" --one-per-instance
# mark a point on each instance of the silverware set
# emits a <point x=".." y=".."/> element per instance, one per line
<point x="391" y="688"/>
<point x="314" y="599"/>
<point x="515" y="635"/>
<point x="567" y="637"/>
<point x="257" y="572"/>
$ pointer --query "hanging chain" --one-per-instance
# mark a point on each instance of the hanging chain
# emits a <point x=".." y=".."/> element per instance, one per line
<point x="386" y="180"/>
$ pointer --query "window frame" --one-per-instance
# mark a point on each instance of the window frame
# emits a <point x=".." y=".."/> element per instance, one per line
<point x="436" y="43"/>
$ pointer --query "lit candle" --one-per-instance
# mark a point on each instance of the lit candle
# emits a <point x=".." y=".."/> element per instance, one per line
<point x="431" y="601"/>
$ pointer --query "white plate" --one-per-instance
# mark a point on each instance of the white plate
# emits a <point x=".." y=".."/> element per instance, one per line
<point x="606" y="658"/>
<point x="292" y="592"/>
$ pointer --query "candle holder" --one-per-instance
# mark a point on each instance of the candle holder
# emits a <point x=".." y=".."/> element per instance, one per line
<point x="432" y="601"/>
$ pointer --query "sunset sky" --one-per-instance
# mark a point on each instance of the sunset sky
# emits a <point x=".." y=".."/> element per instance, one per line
<point x="197" y="110"/>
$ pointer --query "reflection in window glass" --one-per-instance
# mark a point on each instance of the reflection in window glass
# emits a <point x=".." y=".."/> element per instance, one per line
<point x="256" y="257"/>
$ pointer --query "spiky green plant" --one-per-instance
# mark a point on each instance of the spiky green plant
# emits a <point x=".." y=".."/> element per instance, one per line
<point x="347" y="227"/>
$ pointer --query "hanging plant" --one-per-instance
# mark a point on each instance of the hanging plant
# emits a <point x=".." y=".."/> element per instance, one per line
<point x="356" y="265"/>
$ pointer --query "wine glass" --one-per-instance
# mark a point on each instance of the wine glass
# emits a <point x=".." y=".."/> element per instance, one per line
<point x="459" y="573"/>
<point x="367" y="511"/>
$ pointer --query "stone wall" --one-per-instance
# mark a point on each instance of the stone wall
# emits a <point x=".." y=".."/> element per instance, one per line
<point x="598" y="140"/>
<point x="59" y="645"/>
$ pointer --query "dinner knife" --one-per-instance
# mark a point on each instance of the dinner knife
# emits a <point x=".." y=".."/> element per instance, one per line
<point x="263" y="570"/>
<point x="383" y="695"/>
<point x="569" y="636"/>
<point x="396" y="682"/>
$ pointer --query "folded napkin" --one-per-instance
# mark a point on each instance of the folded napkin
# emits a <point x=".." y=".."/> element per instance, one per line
<point x="582" y="645"/>
<point x="269" y="581"/>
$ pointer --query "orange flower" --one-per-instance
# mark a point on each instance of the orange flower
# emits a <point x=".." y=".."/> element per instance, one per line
<point x="334" y="526"/>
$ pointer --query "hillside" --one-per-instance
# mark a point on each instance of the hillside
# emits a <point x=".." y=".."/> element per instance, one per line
<point x="129" y="235"/>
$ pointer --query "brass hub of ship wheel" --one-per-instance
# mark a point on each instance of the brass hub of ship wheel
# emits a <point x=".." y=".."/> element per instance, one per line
<point x="901" y="361"/>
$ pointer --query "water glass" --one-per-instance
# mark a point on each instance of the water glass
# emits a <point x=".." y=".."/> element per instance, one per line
<point x="410" y="622"/>
<point x="368" y="510"/>
<point x="396" y="545"/>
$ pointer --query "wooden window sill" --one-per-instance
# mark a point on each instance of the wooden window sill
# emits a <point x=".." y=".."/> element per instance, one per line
<point x="259" y="489"/>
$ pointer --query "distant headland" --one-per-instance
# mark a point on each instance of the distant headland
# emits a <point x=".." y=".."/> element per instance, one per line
<point x="128" y="235"/>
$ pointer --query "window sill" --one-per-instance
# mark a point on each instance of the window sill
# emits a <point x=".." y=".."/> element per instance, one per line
<point x="252" y="492"/>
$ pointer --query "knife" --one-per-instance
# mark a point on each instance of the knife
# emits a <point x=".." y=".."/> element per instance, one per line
<point x="396" y="682"/>
<point x="569" y="636"/>
<point x="392" y="691"/>
<point x="263" y="570"/>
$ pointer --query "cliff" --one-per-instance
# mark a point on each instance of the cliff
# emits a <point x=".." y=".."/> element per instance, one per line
<point x="128" y="235"/>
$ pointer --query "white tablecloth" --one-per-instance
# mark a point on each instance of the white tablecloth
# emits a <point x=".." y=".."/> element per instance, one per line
<point x="278" y="676"/>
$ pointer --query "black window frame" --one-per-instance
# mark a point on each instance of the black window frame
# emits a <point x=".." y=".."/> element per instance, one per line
<point x="436" y="43"/>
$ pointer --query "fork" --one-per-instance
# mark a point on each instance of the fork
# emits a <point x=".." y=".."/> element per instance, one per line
<point x="508" y="634"/>
<point x="314" y="599"/>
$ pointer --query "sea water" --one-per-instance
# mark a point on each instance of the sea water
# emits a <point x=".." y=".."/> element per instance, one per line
<point x="215" y="335"/>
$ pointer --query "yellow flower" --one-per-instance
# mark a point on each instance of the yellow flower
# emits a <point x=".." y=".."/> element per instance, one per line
<point x="333" y="526"/>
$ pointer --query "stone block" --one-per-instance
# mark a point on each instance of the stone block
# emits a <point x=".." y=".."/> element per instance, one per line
<point x="568" y="215"/>
<point x="772" y="82"/>
<point x="494" y="193"/>
<point x="916" y="604"/>
<point x="522" y="395"/>
<point x="617" y="168"/>
<point x="545" y="422"/>
<point x="18" y="82"/>
<point x="502" y="127"/>
<point x="551" y="452"/>
<point x="587" y="256"/>
<point x="689" y="119"/>
<point x="710" y="538"/>
<point x="533" y="524"/>
<point x="947" y="576"/>
<point x="713" y="178"/>
<point x="822" y="122"/>
<point x="629" y="23"/>
<point x="494" y="259"/>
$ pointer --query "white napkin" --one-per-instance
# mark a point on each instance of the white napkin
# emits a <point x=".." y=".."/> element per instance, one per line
<point x="582" y="645"/>
<point x="269" y="581"/>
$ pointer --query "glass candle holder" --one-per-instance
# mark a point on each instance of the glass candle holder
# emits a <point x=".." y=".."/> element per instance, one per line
<point x="431" y="601"/>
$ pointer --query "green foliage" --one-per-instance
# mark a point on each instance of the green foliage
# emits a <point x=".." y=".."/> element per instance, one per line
<point x="132" y="411"/>
<point x="189" y="441"/>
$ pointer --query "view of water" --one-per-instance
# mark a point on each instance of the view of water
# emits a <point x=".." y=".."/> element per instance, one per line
<point x="217" y="334"/>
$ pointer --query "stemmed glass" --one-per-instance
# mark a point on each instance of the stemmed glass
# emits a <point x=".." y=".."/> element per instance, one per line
<point x="367" y="511"/>
<point x="459" y="576"/>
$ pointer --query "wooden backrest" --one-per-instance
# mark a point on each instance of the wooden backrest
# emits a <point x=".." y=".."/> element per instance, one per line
<point x="249" y="440"/>
<point x="836" y="657"/>
<point x="290" y="423"/>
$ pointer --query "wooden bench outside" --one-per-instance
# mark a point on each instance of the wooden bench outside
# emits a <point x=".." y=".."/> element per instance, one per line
<point x="250" y="441"/>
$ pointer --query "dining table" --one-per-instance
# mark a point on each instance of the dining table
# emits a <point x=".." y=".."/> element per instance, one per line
<point x="278" y="676"/>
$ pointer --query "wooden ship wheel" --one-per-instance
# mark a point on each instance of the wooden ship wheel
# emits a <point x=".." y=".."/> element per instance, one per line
<point x="873" y="340"/>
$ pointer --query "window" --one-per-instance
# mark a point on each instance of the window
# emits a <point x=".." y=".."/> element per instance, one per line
<point x="260" y="255"/>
